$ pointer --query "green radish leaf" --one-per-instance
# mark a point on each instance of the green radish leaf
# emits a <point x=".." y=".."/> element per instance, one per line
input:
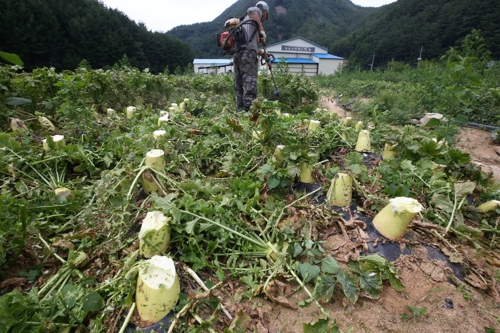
<point x="348" y="282"/>
<point x="293" y="171"/>
<point x="375" y="259"/>
<point x="93" y="301"/>
<point x="394" y="277"/>
<point x="325" y="285"/>
<point x="429" y="147"/>
<point x="308" y="271"/>
<point x="234" y="124"/>
<point x="371" y="283"/>
<point x="463" y="189"/>
<point x="442" y="202"/>
<point x="459" y="156"/>
<point x="408" y="165"/>
<point x="240" y="323"/>
<point x="272" y="182"/>
<point x="70" y="293"/>
<point x="8" y="142"/>
<point x="461" y="119"/>
<point x="12" y="58"/>
<point x="354" y="158"/>
<point x="190" y="226"/>
<point x="205" y="226"/>
<point x="297" y="249"/>
<point x="356" y="168"/>
<point x="248" y="280"/>
<point x="433" y="122"/>
<point x="321" y="326"/>
<point x="416" y="311"/>
<point x="17" y="101"/>
<point x="330" y="265"/>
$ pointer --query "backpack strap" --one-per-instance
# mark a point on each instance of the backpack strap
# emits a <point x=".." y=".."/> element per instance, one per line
<point x="252" y="22"/>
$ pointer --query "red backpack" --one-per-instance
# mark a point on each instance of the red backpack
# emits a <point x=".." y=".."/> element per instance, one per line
<point x="234" y="38"/>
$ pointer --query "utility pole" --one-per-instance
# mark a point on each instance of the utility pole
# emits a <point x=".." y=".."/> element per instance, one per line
<point x="421" y="50"/>
<point x="373" y="60"/>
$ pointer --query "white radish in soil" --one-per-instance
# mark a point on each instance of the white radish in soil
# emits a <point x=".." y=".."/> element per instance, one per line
<point x="58" y="141"/>
<point x="130" y="113"/>
<point x="340" y="192"/>
<point x="306" y="173"/>
<point x="363" y="143"/>
<point x="156" y="160"/>
<point x="154" y="237"/>
<point x="157" y="289"/>
<point x="394" y="218"/>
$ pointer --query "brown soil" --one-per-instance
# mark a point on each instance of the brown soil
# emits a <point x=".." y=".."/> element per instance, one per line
<point x="472" y="310"/>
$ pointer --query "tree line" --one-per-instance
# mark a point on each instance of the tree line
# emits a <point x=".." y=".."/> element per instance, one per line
<point x="396" y="31"/>
<point x="60" y="34"/>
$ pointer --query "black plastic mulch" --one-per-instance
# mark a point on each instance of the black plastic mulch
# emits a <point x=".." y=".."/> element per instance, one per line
<point x="378" y="244"/>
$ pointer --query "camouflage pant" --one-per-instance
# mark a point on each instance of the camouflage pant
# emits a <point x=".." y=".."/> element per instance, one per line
<point x="246" y="67"/>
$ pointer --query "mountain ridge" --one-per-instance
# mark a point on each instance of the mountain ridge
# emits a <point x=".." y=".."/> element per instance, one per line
<point x="395" y="31"/>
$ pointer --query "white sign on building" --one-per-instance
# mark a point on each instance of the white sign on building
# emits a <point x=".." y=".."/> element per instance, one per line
<point x="304" y="56"/>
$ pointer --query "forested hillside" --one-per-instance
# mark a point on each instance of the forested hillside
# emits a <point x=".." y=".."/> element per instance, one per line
<point x="63" y="33"/>
<point x="398" y="31"/>
<point x="393" y="32"/>
<point x="321" y="21"/>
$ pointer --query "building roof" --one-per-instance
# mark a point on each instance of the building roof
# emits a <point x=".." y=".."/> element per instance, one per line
<point x="307" y="40"/>
<point x="296" y="60"/>
<point x="326" y="56"/>
<point x="211" y="61"/>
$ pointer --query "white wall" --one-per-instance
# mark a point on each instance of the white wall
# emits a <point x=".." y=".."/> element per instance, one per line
<point x="210" y="70"/>
<point x="308" y="69"/>
<point x="328" y="66"/>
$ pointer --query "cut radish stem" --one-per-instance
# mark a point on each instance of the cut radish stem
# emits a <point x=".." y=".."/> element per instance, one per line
<point x="388" y="152"/>
<point x="156" y="160"/>
<point x="158" y="133"/>
<point x="394" y="218"/>
<point x="154" y="237"/>
<point x="347" y="121"/>
<point x="278" y="154"/>
<point x="131" y="110"/>
<point x="489" y="205"/>
<point x="58" y="141"/>
<point x="163" y="120"/>
<point x="340" y="192"/>
<point x="363" y="143"/>
<point x="313" y="125"/>
<point x="359" y="126"/>
<point x="305" y="173"/>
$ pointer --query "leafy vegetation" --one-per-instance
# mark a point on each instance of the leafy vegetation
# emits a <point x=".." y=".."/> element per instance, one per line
<point x="236" y="209"/>
<point x="460" y="84"/>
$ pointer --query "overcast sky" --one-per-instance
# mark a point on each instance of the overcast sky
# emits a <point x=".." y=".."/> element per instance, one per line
<point x="163" y="15"/>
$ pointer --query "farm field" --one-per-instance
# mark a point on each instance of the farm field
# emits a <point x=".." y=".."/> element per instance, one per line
<point x="248" y="200"/>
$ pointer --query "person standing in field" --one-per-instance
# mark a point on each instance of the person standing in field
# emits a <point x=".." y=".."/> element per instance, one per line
<point x="245" y="62"/>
